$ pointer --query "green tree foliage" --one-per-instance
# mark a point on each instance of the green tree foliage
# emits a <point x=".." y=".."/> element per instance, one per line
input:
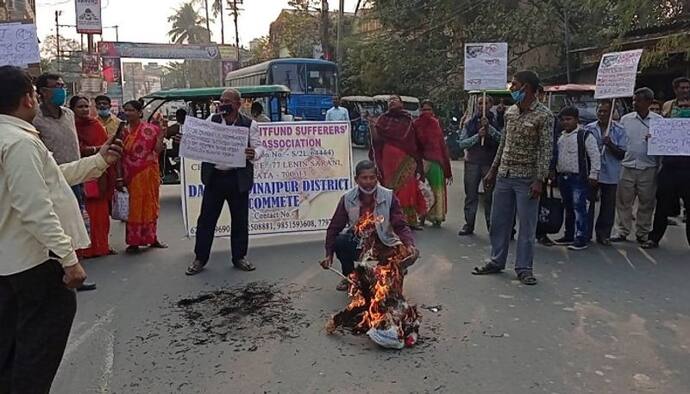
<point x="187" y="25"/>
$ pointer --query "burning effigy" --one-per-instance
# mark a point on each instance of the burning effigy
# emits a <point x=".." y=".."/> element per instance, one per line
<point x="377" y="306"/>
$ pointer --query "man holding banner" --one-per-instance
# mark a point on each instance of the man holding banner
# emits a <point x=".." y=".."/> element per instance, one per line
<point x="638" y="178"/>
<point x="225" y="183"/>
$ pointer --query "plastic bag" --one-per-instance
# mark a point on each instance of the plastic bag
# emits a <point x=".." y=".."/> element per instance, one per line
<point x="387" y="338"/>
<point x="120" y="205"/>
<point x="428" y="194"/>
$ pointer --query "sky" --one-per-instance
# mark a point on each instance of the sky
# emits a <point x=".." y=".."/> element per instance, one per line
<point x="147" y="20"/>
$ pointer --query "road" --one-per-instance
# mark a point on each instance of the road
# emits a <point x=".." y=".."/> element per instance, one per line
<point x="603" y="320"/>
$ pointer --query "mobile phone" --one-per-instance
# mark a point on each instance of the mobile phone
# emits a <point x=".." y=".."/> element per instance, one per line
<point x="120" y="130"/>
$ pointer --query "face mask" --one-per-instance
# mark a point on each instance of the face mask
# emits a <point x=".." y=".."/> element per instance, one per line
<point x="518" y="96"/>
<point x="59" y="96"/>
<point x="367" y="192"/>
<point x="104" y="113"/>
<point x="226" y="109"/>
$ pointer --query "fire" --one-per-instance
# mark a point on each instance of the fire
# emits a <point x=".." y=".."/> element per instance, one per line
<point x="376" y="299"/>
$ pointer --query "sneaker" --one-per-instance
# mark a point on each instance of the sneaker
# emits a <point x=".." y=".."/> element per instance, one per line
<point x="578" y="245"/>
<point x="650" y="245"/>
<point x="604" y="241"/>
<point x="465" y="231"/>
<point x="546" y="241"/>
<point x="619" y="238"/>
<point x="564" y="241"/>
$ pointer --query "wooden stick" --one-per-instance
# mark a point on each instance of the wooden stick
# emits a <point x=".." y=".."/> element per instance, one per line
<point x="613" y="108"/>
<point x="342" y="275"/>
<point x="483" y="112"/>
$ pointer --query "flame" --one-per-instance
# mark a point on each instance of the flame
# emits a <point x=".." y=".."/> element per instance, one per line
<point x="367" y="224"/>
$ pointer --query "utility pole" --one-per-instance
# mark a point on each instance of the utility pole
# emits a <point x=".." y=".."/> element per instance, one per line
<point x="567" y="44"/>
<point x="222" y="23"/>
<point x="57" y="37"/>
<point x="235" y="13"/>
<point x="341" y="16"/>
<point x="208" y="22"/>
<point x="117" y="32"/>
<point x="325" y="28"/>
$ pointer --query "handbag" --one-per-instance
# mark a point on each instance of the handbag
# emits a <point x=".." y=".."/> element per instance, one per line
<point x="92" y="189"/>
<point x="427" y="193"/>
<point x="551" y="209"/>
<point x="120" y="209"/>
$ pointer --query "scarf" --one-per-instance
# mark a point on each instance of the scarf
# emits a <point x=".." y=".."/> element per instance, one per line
<point x="90" y="132"/>
<point x="396" y="128"/>
<point x="431" y="141"/>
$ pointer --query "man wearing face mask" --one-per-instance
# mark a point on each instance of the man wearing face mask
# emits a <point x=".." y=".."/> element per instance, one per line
<point x="58" y="131"/>
<point x="367" y="198"/>
<point x="223" y="183"/>
<point x="106" y="116"/>
<point x="517" y="177"/>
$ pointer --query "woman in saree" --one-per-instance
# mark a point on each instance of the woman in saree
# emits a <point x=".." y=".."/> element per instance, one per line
<point x="140" y="174"/>
<point x="436" y="162"/>
<point x="398" y="159"/>
<point x="98" y="193"/>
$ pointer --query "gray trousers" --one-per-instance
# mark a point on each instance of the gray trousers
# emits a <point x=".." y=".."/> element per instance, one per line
<point x="640" y="185"/>
<point x="474" y="173"/>
<point x="512" y="195"/>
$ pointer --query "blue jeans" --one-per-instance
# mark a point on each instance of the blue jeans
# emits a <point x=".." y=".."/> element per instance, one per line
<point x="575" y="192"/>
<point x="511" y="195"/>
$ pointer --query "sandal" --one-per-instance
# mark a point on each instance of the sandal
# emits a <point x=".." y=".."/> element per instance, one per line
<point x="132" y="250"/>
<point x="112" y="252"/>
<point x="344" y="285"/>
<point x="487" y="269"/>
<point x="243" y="264"/>
<point x="159" y="245"/>
<point x="196" y="267"/>
<point x="649" y="244"/>
<point x="526" y="278"/>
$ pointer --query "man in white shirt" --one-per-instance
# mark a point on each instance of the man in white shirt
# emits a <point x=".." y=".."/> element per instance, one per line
<point x="638" y="178"/>
<point x="224" y="183"/>
<point x="40" y="229"/>
<point x="337" y="113"/>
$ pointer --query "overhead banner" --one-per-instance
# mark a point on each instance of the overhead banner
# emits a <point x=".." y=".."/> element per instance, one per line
<point x="89" y="17"/>
<point x="617" y="74"/>
<point x="486" y="66"/>
<point x="18" y="45"/>
<point x="108" y="49"/>
<point x="306" y="168"/>
<point x="670" y="137"/>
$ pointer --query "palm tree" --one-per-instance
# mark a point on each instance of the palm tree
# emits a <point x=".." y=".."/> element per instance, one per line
<point x="188" y="26"/>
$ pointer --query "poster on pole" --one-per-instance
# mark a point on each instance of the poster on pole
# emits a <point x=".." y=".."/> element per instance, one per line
<point x="486" y="66"/>
<point x="88" y="14"/>
<point x="617" y="74"/>
<point x="670" y="137"/>
<point x="18" y="45"/>
<point x="306" y="168"/>
<point x="216" y="143"/>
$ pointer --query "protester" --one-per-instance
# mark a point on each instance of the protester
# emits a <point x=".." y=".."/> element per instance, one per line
<point x="367" y="198"/>
<point x="105" y="115"/>
<point x="656" y="107"/>
<point x="673" y="183"/>
<point x="612" y="148"/>
<point x="258" y="113"/>
<point x="578" y="169"/>
<point x="337" y="113"/>
<point x="40" y="228"/>
<point x="398" y="158"/>
<point x="58" y="132"/>
<point x="223" y="183"/>
<point x="436" y="162"/>
<point x="97" y="193"/>
<point x="681" y="88"/>
<point x="638" y="177"/>
<point x="140" y="174"/>
<point x="517" y="177"/>
<point x="478" y="160"/>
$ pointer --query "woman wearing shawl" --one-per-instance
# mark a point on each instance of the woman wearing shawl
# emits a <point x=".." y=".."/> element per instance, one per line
<point x="398" y="159"/>
<point x="436" y="162"/>
<point x="139" y="173"/>
<point x="98" y="193"/>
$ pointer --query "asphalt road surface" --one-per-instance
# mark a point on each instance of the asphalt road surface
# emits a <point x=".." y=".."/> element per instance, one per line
<point x="603" y="320"/>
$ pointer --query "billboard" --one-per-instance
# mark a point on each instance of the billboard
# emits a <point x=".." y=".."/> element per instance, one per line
<point x="88" y="14"/>
<point x="109" y="49"/>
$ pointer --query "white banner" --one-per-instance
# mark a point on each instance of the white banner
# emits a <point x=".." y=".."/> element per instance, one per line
<point x="18" y="45"/>
<point x="216" y="143"/>
<point x="670" y="137"/>
<point x="486" y="66"/>
<point x="89" y="17"/>
<point x="305" y="170"/>
<point x="617" y="74"/>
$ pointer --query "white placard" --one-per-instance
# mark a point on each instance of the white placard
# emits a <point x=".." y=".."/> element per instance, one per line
<point x="670" y="137"/>
<point x="617" y="74"/>
<point x="486" y="66"/>
<point x="89" y="17"/>
<point x="18" y="44"/>
<point x="216" y="143"/>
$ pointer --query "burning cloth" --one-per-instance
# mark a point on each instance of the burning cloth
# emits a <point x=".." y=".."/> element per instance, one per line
<point x="377" y="305"/>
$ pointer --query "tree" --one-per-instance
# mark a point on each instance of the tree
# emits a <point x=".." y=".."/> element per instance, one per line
<point x="67" y="45"/>
<point x="188" y="26"/>
<point x="262" y="50"/>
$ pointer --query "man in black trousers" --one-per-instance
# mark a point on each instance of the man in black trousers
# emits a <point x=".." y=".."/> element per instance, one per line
<point x="224" y="183"/>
